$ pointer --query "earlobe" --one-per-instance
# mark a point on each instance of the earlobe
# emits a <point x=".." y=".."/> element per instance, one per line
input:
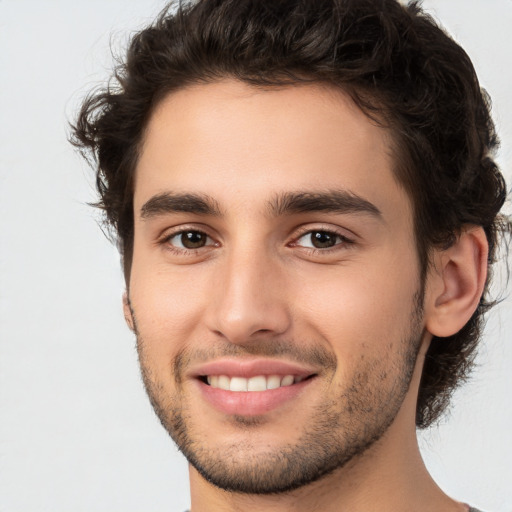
<point x="456" y="283"/>
<point x="128" y="316"/>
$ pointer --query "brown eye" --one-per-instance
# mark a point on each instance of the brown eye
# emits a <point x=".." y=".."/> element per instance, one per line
<point x="321" y="239"/>
<point x="193" y="239"/>
<point x="190" y="240"/>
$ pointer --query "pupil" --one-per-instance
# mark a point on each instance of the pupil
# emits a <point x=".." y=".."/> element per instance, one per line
<point x="193" y="239"/>
<point x="322" y="239"/>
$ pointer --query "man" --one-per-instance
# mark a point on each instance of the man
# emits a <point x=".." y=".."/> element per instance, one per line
<point x="307" y="207"/>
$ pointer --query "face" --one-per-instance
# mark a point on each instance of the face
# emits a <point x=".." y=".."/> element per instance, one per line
<point x="275" y="285"/>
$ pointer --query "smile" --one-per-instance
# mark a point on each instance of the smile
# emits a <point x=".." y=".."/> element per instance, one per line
<point x="253" y="386"/>
<point x="256" y="383"/>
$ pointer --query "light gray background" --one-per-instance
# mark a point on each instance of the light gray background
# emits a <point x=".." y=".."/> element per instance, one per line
<point x="76" y="430"/>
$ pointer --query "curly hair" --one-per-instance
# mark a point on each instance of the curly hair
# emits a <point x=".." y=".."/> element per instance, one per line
<point x="401" y="69"/>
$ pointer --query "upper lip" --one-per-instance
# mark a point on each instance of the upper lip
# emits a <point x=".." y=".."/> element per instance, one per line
<point x="250" y="368"/>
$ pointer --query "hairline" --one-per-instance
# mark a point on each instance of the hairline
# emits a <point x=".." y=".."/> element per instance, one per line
<point x="379" y="117"/>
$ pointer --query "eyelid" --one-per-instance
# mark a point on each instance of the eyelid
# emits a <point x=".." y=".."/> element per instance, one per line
<point x="170" y="231"/>
<point x="346" y="235"/>
<point x="180" y="233"/>
<point x="168" y="234"/>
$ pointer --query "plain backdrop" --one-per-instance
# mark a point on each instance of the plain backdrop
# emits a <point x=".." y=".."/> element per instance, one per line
<point x="76" y="430"/>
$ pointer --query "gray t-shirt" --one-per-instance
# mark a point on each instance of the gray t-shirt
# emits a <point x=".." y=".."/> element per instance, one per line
<point x="470" y="509"/>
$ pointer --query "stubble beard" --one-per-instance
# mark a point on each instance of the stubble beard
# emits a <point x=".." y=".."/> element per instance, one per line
<point x="340" y="429"/>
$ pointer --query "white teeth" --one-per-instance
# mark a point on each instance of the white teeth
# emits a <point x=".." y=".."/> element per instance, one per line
<point x="273" y="382"/>
<point x="223" y="382"/>
<point x="287" y="380"/>
<point x="238" y="384"/>
<point x="258" y="383"/>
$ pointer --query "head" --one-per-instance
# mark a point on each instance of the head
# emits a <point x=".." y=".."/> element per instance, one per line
<point x="392" y="63"/>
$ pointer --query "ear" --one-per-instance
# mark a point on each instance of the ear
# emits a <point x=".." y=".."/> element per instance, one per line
<point x="127" y="310"/>
<point x="456" y="282"/>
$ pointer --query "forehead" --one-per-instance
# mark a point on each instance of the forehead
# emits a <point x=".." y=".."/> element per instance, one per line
<point x="232" y="140"/>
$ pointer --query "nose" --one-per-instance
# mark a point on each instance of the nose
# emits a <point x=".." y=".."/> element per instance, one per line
<point x="249" y="299"/>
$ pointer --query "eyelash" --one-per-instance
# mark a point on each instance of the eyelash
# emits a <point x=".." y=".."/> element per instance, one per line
<point x="341" y="240"/>
<point x="183" y="251"/>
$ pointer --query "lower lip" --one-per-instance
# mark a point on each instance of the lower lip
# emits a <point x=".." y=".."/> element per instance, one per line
<point x="251" y="403"/>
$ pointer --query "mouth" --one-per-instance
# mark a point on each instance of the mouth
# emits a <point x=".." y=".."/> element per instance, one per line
<point x="252" y="387"/>
<point x="256" y="383"/>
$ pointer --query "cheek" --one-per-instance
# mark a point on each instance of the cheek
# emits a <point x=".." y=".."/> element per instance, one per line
<point x="168" y="307"/>
<point x="358" y="310"/>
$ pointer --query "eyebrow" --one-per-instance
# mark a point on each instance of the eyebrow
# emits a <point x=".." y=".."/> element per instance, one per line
<point x="331" y="201"/>
<point x="287" y="203"/>
<point x="168" y="202"/>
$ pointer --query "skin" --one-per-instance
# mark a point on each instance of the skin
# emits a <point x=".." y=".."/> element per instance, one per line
<point x="258" y="284"/>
